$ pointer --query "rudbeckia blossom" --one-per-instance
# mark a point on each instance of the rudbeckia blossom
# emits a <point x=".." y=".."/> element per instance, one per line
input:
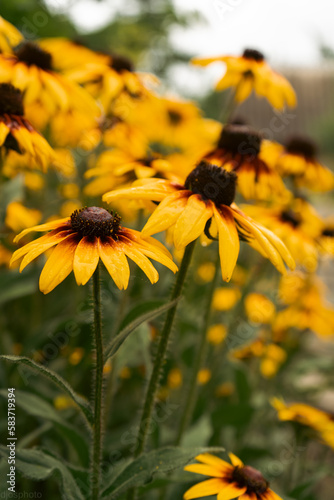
<point x="81" y="240"/>
<point x="239" y="149"/>
<point x="16" y="132"/>
<point x="205" y="199"/>
<point x="228" y="481"/>
<point x="251" y="71"/>
<point x="298" y="158"/>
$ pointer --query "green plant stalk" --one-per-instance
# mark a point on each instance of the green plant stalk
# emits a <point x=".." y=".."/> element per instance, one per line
<point x="98" y="386"/>
<point x="153" y="385"/>
<point x="191" y="388"/>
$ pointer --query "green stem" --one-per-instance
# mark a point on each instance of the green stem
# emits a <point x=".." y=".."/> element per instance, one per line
<point x="153" y="385"/>
<point x="97" y="427"/>
<point x="191" y="390"/>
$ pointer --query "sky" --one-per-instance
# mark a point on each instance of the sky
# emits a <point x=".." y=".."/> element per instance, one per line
<point x="288" y="32"/>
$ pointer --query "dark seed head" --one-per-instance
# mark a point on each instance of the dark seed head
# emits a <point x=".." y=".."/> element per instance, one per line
<point x="175" y="117"/>
<point x="121" y="63"/>
<point x="212" y="183"/>
<point x="253" y="54"/>
<point x="10" y="100"/>
<point x="251" y="478"/>
<point x="95" y="222"/>
<point x="31" y="54"/>
<point x="300" y="145"/>
<point x="291" y="217"/>
<point x="239" y="139"/>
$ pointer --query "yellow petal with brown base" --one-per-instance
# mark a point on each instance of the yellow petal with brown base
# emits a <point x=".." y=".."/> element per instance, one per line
<point x="86" y="259"/>
<point x="231" y="491"/>
<point x="206" y="488"/>
<point x="166" y="213"/>
<point x="59" y="265"/>
<point x="229" y="244"/>
<point x="145" y="265"/>
<point x="44" y="227"/>
<point x="40" y="248"/>
<point x="191" y="223"/>
<point x="115" y="261"/>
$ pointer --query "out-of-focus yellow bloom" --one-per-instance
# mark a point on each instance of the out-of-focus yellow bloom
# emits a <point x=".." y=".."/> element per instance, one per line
<point x="125" y="373"/>
<point x="254" y="349"/>
<point x="273" y="357"/>
<point x="174" y="378"/>
<point x="259" y="308"/>
<point x="82" y="130"/>
<point x="64" y="163"/>
<point x="305" y="296"/>
<point x="225" y="389"/>
<point x="34" y="181"/>
<point x="297" y="224"/>
<point x="239" y="275"/>
<point x="206" y="271"/>
<point x="9" y="36"/>
<point x="69" y="190"/>
<point x="68" y="207"/>
<point x="239" y="149"/>
<point x="76" y="356"/>
<point x="298" y="158"/>
<point x="251" y="71"/>
<point x="63" y="402"/>
<point x="225" y="298"/>
<point x="5" y="256"/>
<point x="309" y="416"/>
<point x="203" y="376"/>
<point x="18" y="217"/>
<point x="216" y="334"/>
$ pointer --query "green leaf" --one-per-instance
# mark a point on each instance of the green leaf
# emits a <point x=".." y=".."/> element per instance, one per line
<point x="134" y="319"/>
<point x="56" y="379"/>
<point x="37" y="407"/>
<point x="142" y="470"/>
<point x="38" y="466"/>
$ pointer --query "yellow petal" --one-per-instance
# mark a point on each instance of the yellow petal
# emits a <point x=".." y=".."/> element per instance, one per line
<point x="86" y="259"/>
<point x="166" y="213"/>
<point x="229" y="244"/>
<point x="204" y="489"/>
<point x="130" y="251"/>
<point x="4" y="131"/>
<point x="59" y="265"/>
<point x="231" y="491"/>
<point x="155" y="190"/>
<point x="206" y="470"/>
<point x="191" y="223"/>
<point x="235" y="460"/>
<point x="244" y="89"/>
<point x="115" y="261"/>
<point x="41" y="247"/>
<point x="44" y="227"/>
<point x="209" y="459"/>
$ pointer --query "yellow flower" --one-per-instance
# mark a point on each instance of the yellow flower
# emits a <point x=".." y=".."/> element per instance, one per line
<point x="298" y="158"/>
<point x="16" y="132"/>
<point x="5" y="256"/>
<point x="273" y="357"/>
<point x="18" y="217"/>
<point x="297" y="224"/>
<point x="251" y="71"/>
<point x="239" y="149"/>
<point x="9" y="36"/>
<point x="203" y="376"/>
<point x="63" y="402"/>
<point x="207" y="194"/>
<point x="206" y="272"/>
<point x="216" y="334"/>
<point x="259" y="308"/>
<point x="174" y="379"/>
<point x="225" y="298"/>
<point x="225" y="389"/>
<point x="237" y="481"/>
<point x="76" y="356"/>
<point x="85" y="237"/>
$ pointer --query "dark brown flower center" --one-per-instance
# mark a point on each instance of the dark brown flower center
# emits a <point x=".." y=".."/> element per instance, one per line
<point x="301" y="146"/>
<point x="253" y="54"/>
<point x="95" y="222"/>
<point x="291" y="217"/>
<point x="212" y="183"/>
<point x="240" y="139"/>
<point x="328" y="231"/>
<point x="31" y="54"/>
<point x="121" y="63"/>
<point x="251" y="478"/>
<point x="10" y="100"/>
<point x="174" y="117"/>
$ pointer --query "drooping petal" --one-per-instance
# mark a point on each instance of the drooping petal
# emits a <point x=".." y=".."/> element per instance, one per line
<point x="130" y="251"/>
<point x="166" y="213"/>
<point x="248" y="496"/>
<point x="206" y="488"/>
<point x="279" y="245"/>
<point x="153" y="189"/>
<point x="115" y="261"/>
<point x="41" y="247"/>
<point x="86" y="259"/>
<point x="229" y="244"/>
<point x="44" y="227"/>
<point x="4" y="131"/>
<point x="191" y="223"/>
<point x="231" y="491"/>
<point x="206" y="470"/>
<point x="59" y="264"/>
<point x="207" y="458"/>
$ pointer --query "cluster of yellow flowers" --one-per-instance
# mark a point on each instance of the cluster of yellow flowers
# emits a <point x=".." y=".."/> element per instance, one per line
<point x="153" y="154"/>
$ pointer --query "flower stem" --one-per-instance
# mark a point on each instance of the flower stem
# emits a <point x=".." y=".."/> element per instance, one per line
<point x="98" y="386"/>
<point x="191" y="392"/>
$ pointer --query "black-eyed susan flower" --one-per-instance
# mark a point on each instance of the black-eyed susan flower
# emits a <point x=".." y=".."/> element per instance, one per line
<point x="206" y="198"/>
<point x="83" y="239"/>
<point x="228" y="481"/>
<point x="239" y="149"/>
<point x="30" y="68"/>
<point x="16" y="132"/>
<point x="297" y="224"/>
<point x="251" y="71"/>
<point x="298" y="158"/>
<point x="259" y="309"/>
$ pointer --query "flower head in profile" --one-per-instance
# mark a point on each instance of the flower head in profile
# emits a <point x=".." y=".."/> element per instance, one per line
<point x="298" y="158"/>
<point x="228" y="481"/>
<point x="251" y="72"/>
<point x="205" y="203"/>
<point x="80" y="241"/>
<point x="239" y="150"/>
<point x="16" y="132"/>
